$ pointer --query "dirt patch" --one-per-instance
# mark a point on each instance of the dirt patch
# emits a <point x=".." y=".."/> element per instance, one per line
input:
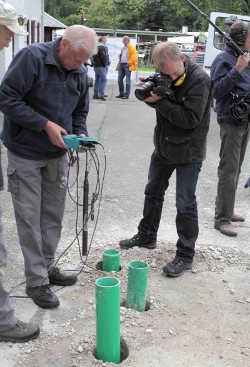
<point x="198" y="319"/>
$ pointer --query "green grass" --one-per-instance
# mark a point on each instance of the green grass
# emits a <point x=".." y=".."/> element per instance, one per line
<point x="148" y="69"/>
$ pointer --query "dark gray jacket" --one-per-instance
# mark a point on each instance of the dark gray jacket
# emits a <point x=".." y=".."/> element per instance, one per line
<point x="34" y="90"/>
<point x="182" y="125"/>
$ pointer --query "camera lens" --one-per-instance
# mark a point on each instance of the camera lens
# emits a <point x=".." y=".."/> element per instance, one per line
<point x="144" y="91"/>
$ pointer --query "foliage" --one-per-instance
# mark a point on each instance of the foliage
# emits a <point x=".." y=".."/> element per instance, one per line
<point x="169" y="15"/>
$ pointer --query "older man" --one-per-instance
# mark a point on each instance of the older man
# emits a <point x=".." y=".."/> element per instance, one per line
<point x="11" y="329"/>
<point x="44" y="94"/>
<point x="127" y="63"/>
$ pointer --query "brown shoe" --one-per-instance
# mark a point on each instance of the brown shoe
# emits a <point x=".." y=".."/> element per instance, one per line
<point x="226" y="229"/>
<point x="237" y="218"/>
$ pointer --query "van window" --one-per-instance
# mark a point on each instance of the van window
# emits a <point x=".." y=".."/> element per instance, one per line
<point x="224" y="24"/>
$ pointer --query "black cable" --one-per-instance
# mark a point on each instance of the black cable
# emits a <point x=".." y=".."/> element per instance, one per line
<point x="98" y="193"/>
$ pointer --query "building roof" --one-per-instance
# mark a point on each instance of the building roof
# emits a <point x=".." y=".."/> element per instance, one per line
<point x="51" y="22"/>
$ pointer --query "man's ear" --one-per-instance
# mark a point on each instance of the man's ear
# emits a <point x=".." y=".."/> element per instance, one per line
<point x="183" y="57"/>
<point x="65" y="42"/>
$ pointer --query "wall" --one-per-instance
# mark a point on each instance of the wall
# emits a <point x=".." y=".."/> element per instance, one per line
<point x="32" y="10"/>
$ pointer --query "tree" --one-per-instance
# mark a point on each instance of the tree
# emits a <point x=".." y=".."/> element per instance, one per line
<point x="183" y="9"/>
<point x="51" y="7"/>
<point x="170" y="15"/>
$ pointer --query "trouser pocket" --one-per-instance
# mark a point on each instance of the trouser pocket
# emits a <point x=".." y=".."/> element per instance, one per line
<point x="13" y="184"/>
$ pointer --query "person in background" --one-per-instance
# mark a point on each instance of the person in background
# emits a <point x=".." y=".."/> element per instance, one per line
<point x="127" y="63"/>
<point x="100" y="62"/>
<point x="182" y="115"/>
<point x="42" y="102"/>
<point x="104" y="41"/>
<point x="11" y="329"/>
<point x="231" y="78"/>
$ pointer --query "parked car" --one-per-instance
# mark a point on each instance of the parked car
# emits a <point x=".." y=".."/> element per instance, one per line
<point x="187" y="50"/>
<point x="91" y="81"/>
<point x="198" y="57"/>
<point x="195" y="52"/>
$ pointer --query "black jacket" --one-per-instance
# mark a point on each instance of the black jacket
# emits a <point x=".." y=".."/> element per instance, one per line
<point x="182" y="125"/>
<point x="100" y="59"/>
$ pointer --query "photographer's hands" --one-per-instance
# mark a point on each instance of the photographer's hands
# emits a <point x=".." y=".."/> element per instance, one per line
<point x="153" y="98"/>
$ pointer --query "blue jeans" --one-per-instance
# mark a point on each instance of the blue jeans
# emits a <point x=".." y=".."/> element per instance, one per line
<point x="100" y="81"/>
<point x="187" y="214"/>
<point x="123" y="72"/>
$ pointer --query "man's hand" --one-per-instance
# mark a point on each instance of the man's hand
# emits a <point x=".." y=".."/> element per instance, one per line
<point x="153" y="98"/>
<point x="81" y="147"/>
<point x="55" y="132"/>
<point x="242" y="62"/>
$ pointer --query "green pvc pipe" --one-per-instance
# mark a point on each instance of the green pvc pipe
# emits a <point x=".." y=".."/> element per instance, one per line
<point x="137" y="285"/>
<point x="111" y="260"/>
<point x="108" y="319"/>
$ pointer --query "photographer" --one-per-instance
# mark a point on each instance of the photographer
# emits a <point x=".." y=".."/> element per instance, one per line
<point x="231" y="78"/>
<point x="180" y="145"/>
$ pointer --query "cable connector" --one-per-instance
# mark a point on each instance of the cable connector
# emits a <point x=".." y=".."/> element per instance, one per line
<point x="72" y="157"/>
<point x="94" y="198"/>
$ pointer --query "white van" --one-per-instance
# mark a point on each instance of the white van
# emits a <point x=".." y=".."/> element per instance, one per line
<point x="215" y="41"/>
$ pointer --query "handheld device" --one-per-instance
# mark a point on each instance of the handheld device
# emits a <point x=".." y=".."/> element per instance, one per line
<point x="76" y="142"/>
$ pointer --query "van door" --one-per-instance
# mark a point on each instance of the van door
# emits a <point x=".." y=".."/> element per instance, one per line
<point x="215" y="41"/>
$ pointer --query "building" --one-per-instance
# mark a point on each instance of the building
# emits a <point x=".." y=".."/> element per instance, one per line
<point x="30" y="15"/>
<point x="51" y="25"/>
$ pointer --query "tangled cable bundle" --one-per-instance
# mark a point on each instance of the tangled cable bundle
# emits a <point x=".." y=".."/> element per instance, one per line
<point x="240" y="108"/>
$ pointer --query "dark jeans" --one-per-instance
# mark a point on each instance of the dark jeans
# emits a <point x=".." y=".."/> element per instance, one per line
<point x="187" y="214"/>
<point x="234" y="140"/>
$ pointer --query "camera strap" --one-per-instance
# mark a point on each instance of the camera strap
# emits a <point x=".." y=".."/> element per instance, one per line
<point x="178" y="81"/>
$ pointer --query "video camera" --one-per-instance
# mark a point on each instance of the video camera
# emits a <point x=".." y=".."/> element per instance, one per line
<point x="158" y="83"/>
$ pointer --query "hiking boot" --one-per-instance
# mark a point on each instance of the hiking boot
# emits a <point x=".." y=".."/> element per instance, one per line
<point x="57" y="277"/>
<point x="237" y="218"/>
<point x="226" y="229"/>
<point x="137" y="241"/>
<point x="177" y="267"/>
<point x="42" y="296"/>
<point x="20" y="333"/>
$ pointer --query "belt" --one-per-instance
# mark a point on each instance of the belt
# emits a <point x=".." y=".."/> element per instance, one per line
<point x="123" y="63"/>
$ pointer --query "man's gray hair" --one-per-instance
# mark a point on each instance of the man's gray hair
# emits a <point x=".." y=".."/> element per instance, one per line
<point x="126" y="38"/>
<point x="81" y="37"/>
<point x="166" y="50"/>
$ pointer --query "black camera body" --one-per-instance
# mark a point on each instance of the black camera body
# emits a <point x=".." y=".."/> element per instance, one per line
<point x="157" y="83"/>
